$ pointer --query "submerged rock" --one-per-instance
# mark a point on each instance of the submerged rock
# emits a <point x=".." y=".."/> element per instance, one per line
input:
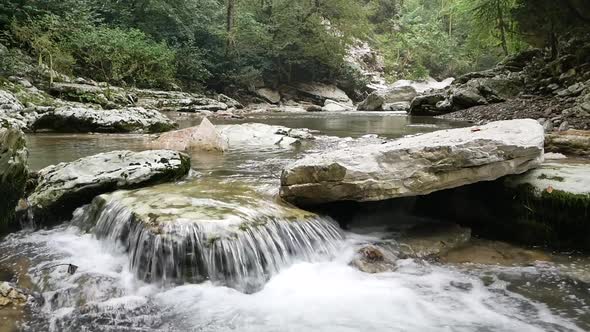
<point x="205" y="137"/>
<point x="415" y="165"/>
<point x="494" y="253"/>
<point x="13" y="171"/>
<point x="374" y="259"/>
<point x="432" y="239"/>
<point x="64" y="187"/>
<point x="127" y="120"/>
<point x="214" y="230"/>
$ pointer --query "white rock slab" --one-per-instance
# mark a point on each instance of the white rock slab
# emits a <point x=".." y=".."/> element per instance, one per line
<point x="415" y="165"/>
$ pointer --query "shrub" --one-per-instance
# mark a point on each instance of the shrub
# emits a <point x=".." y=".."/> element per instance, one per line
<point x="122" y="56"/>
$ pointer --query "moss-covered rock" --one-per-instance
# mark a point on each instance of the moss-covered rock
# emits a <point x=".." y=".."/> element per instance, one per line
<point x="13" y="172"/>
<point x="548" y="206"/>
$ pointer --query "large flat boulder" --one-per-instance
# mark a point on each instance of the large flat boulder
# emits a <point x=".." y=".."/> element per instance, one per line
<point x="126" y="120"/>
<point x="320" y="92"/>
<point x="415" y="165"/>
<point x="378" y="99"/>
<point x="13" y="171"/>
<point x="64" y="187"/>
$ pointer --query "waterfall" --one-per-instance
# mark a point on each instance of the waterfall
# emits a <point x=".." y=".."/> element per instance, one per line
<point x="242" y="255"/>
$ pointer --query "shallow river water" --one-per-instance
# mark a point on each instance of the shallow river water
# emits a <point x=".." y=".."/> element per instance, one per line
<point x="319" y="292"/>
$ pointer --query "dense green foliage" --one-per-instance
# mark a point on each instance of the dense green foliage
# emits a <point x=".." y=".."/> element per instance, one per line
<point x="241" y="43"/>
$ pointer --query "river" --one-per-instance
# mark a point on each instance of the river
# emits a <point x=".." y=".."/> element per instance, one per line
<point x="310" y="285"/>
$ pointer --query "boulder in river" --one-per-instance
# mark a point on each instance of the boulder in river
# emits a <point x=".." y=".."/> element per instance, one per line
<point x="374" y="259"/>
<point x="204" y="137"/>
<point x="319" y="92"/>
<point x="262" y="135"/>
<point x="126" y="120"/>
<point x="13" y="171"/>
<point x="209" y="229"/>
<point x="270" y="95"/>
<point x="376" y="100"/>
<point x="207" y="137"/>
<point x="64" y="187"/>
<point x="415" y="165"/>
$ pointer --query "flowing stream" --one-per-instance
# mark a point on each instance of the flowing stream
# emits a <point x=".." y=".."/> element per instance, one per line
<point x="225" y="255"/>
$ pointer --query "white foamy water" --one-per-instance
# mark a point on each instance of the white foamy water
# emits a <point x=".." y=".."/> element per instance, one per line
<point x="327" y="295"/>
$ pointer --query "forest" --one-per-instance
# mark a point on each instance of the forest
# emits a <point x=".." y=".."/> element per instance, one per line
<point x="212" y="44"/>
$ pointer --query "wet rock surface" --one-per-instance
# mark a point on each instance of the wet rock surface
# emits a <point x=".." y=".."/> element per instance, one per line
<point x="432" y="239"/>
<point x="226" y="232"/>
<point x="205" y="137"/>
<point x="494" y="253"/>
<point x="67" y="186"/>
<point x="374" y="259"/>
<point x="415" y="165"/>
<point x="13" y="171"/>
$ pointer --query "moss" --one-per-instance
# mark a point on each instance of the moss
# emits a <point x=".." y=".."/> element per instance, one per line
<point x="522" y="215"/>
<point x="246" y="226"/>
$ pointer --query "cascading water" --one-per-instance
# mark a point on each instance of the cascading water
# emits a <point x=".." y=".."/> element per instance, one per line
<point x="235" y="243"/>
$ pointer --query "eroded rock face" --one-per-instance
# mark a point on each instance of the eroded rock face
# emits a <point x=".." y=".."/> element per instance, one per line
<point x="87" y="93"/>
<point x="415" y="165"/>
<point x="64" y="187"/>
<point x="205" y="137"/>
<point x="13" y="171"/>
<point x="571" y="142"/>
<point x="9" y="103"/>
<point x="127" y="120"/>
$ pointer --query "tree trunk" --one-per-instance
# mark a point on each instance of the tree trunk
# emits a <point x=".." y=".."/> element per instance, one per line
<point x="231" y="12"/>
<point x="502" y="27"/>
<point x="50" y="70"/>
